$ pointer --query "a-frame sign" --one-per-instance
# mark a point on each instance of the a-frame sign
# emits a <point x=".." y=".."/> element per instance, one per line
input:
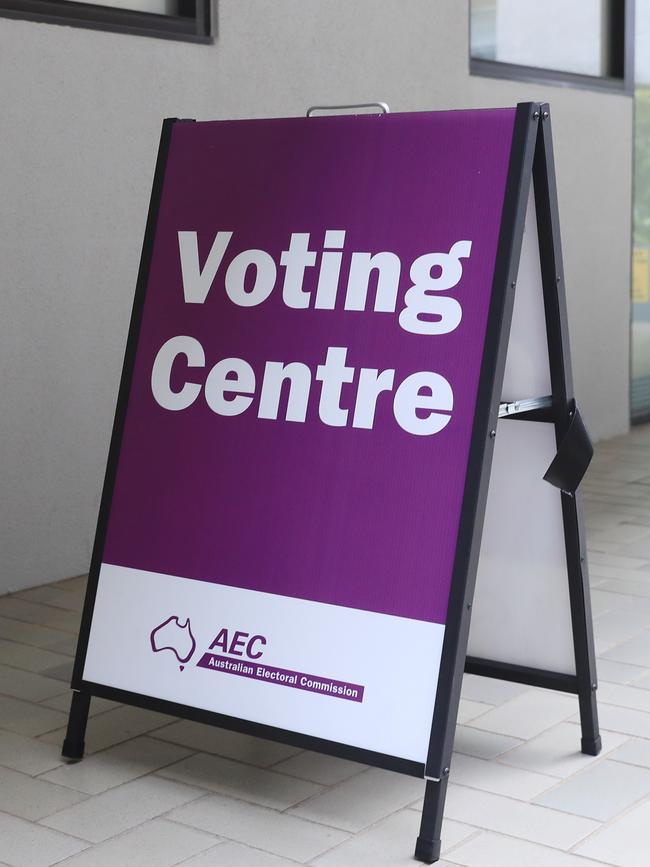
<point x="299" y="472"/>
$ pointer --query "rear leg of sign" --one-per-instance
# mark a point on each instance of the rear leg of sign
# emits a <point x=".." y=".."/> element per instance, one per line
<point x="427" y="847"/>
<point x="564" y="408"/>
<point x="74" y="743"/>
<point x="582" y="625"/>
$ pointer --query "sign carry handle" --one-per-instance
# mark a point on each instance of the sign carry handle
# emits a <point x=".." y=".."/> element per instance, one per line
<point x="382" y="108"/>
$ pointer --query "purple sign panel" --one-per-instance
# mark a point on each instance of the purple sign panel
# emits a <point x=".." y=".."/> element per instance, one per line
<point x="306" y="372"/>
<point x="286" y="504"/>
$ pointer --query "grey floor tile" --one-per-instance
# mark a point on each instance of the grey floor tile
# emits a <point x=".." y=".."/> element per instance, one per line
<point x="43" y="615"/>
<point x="30" y="633"/>
<point x="636" y="651"/>
<point x="489" y="690"/>
<point x="499" y="778"/>
<point x="624" y="842"/>
<point x="620" y="625"/>
<point x="634" y="752"/>
<point x="27" y="685"/>
<point x="639" y="549"/>
<point x="231" y="745"/>
<point x="642" y="682"/>
<point x="77" y="584"/>
<point x="390" y="843"/>
<point x="633" y="588"/>
<point x="259" y="827"/>
<point x="33" y="798"/>
<point x="483" y="745"/>
<point x="471" y="710"/>
<point x="618" y="573"/>
<point x="496" y="850"/>
<point x="557" y="751"/>
<point x="526" y="821"/>
<point x="624" y="695"/>
<point x="627" y="533"/>
<point x="113" y="727"/>
<point x="257" y="785"/>
<point x="120" y="809"/>
<point x="325" y="770"/>
<point x="25" y="844"/>
<point x="62" y="671"/>
<point x="620" y="672"/>
<point x="62" y="702"/>
<point x="26" y="718"/>
<point x="67" y="646"/>
<point x="528" y="714"/>
<point x="621" y="560"/>
<point x="29" y="658"/>
<point x="116" y="765"/>
<point x="604" y="547"/>
<point x="624" y="720"/>
<point x="157" y="843"/>
<point x="361" y="800"/>
<point x="236" y="855"/>
<point x="28" y="755"/>
<point x="601" y="792"/>
<point x="50" y="594"/>
<point x="603" y="602"/>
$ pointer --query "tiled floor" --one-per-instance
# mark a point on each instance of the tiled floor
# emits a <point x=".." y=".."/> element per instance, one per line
<point x="157" y="792"/>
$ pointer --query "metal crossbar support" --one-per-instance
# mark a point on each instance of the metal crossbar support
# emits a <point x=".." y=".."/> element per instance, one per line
<point x="528" y="404"/>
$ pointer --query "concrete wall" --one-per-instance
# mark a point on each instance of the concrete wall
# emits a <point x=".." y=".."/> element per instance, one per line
<point x="80" y="123"/>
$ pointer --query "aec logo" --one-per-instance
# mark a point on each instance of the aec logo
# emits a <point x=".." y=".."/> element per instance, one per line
<point x="175" y="636"/>
<point x="240" y="644"/>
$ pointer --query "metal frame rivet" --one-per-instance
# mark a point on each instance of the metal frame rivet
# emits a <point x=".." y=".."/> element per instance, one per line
<point x="493" y="433"/>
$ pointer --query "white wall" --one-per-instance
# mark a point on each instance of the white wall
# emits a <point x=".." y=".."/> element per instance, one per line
<point x="81" y="114"/>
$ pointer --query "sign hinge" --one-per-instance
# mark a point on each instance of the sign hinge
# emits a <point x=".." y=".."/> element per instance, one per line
<point x="526" y="405"/>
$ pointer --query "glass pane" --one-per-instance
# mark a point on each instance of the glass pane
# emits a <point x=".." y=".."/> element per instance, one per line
<point x="642" y="40"/>
<point x="640" y="393"/>
<point x="159" y="7"/>
<point x="565" y="35"/>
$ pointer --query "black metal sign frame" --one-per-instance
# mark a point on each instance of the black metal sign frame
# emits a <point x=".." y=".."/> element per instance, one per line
<point x="531" y="160"/>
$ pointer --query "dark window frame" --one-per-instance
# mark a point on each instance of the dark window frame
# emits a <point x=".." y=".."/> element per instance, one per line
<point x="621" y="60"/>
<point x="194" y="26"/>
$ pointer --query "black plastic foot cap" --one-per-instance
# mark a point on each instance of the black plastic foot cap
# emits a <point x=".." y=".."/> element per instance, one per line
<point x="73" y="751"/>
<point x="427" y="851"/>
<point x="591" y="746"/>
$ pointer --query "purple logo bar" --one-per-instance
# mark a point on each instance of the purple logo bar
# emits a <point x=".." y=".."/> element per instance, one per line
<point x="283" y="677"/>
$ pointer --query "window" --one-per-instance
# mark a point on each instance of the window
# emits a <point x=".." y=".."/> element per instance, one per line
<point x="579" y="42"/>
<point x="168" y="19"/>
<point x="640" y="349"/>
